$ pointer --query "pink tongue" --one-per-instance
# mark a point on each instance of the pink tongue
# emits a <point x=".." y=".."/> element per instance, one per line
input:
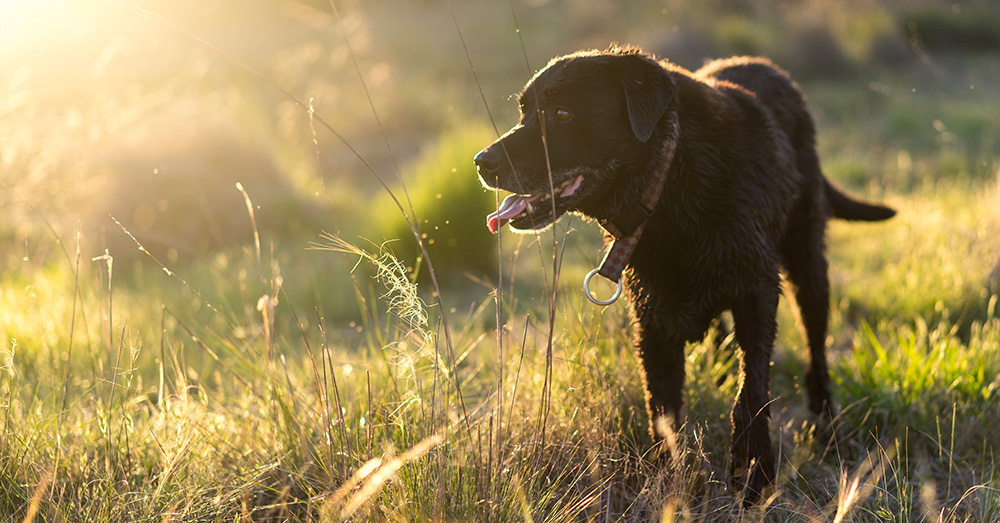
<point x="509" y="208"/>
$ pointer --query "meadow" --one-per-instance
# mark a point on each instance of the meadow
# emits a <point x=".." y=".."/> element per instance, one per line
<point x="214" y="307"/>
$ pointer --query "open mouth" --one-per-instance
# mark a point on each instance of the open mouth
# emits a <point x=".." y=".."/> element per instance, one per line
<point x="533" y="211"/>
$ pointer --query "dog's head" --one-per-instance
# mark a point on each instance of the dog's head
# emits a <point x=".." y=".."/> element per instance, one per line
<point x="586" y="120"/>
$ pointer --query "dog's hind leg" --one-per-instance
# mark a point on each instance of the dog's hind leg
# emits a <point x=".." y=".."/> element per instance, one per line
<point x="806" y="268"/>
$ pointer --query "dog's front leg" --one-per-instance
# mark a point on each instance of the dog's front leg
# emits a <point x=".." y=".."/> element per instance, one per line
<point x="661" y="338"/>
<point x="663" y="377"/>
<point x="752" y="464"/>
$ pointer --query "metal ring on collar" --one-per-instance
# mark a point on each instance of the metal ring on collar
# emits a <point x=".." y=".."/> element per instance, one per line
<point x="586" y="289"/>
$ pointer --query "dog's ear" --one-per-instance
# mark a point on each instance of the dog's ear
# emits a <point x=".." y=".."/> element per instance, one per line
<point x="648" y="91"/>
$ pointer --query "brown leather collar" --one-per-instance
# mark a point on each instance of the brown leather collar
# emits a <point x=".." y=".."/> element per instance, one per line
<point x="628" y="229"/>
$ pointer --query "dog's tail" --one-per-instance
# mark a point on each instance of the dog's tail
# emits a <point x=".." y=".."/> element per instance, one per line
<point x="847" y="208"/>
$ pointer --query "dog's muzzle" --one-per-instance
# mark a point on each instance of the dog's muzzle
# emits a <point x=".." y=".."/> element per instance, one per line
<point x="488" y="163"/>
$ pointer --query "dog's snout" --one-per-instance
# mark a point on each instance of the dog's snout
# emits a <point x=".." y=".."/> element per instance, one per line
<point x="488" y="162"/>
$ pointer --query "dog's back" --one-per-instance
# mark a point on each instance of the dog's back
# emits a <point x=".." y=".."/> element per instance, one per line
<point x="778" y="94"/>
<point x="772" y="87"/>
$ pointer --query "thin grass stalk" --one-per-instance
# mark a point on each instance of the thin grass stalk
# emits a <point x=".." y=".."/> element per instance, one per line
<point x="437" y="390"/>
<point x="336" y="395"/>
<point x="322" y="391"/>
<point x="951" y="451"/>
<point x="163" y="357"/>
<point x="266" y="306"/>
<point x="72" y="330"/>
<point x="517" y="373"/>
<point x="108" y="261"/>
<point x="305" y="337"/>
<point x="369" y="435"/>
<point x="489" y="495"/>
<point x="494" y="469"/>
<point x="543" y="408"/>
<point x="8" y="405"/>
<point x="69" y="363"/>
<point x="296" y="405"/>
<point x="112" y="452"/>
<point x="111" y="356"/>
<point x="256" y="234"/>
<point x="434" y="428"/>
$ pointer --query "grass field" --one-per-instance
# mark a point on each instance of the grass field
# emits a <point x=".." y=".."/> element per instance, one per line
<point x="212" y="309"/>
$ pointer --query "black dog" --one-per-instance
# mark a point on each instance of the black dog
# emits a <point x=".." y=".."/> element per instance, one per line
<point x="743" y="197"/>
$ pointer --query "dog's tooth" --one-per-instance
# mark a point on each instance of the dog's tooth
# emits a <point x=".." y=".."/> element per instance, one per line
<point x="529" y="207"/>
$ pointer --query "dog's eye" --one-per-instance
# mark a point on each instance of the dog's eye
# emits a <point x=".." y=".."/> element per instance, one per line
<point x="562" y="115"/>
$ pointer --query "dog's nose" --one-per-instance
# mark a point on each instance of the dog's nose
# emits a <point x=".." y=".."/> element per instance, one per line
<point x="488" y="162"/>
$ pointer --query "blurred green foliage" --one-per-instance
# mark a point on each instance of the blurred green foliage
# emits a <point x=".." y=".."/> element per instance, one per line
<point x="450" y="206"/>
<point x="959" y="26"/>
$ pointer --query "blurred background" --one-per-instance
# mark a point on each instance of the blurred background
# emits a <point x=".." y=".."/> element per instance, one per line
<point x="149" y="112"/>
<point x="133" y="393"/>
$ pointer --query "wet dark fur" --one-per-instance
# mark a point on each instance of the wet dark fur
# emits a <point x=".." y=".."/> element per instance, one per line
<point x="744" y="198"/>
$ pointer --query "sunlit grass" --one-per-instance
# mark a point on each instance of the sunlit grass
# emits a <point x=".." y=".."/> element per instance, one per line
<point x="235" y="430"/>
<point x="936" y="260"/>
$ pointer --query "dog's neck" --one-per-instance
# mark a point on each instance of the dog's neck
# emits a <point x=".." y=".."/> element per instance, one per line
<point x="627" y="227"/>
